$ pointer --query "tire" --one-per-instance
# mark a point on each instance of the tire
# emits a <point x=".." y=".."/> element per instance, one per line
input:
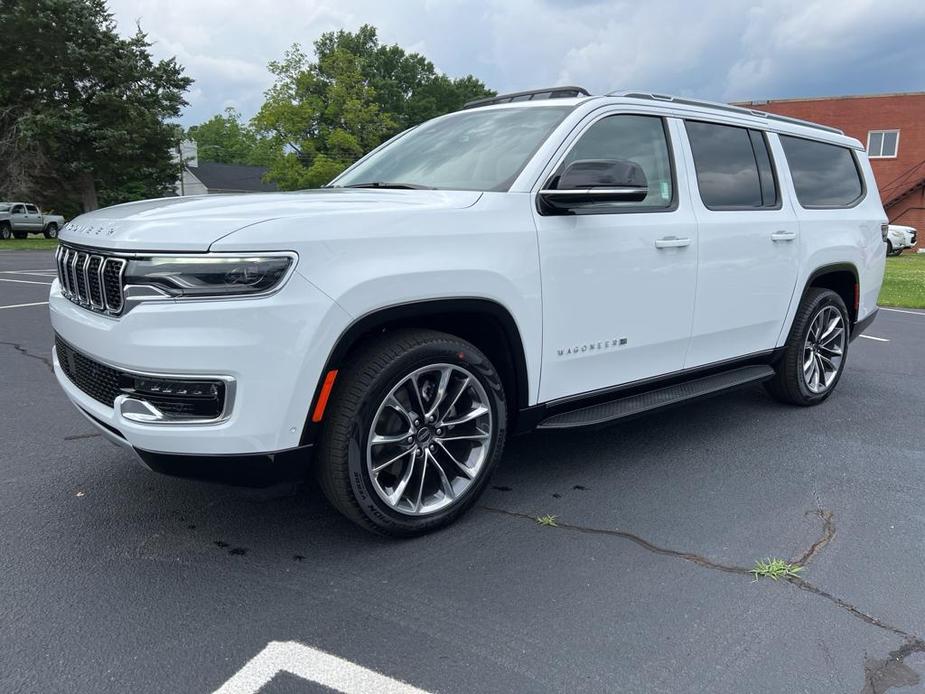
<point x="392" y="368"/>
<point x="889" y="248"/>
<point x="51" y="231"/>
<point x="5" y="232"/>
<point x="809" y="339"/>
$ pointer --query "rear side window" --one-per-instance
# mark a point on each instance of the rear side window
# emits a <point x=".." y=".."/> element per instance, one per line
<point x="734" y="169"/>
<point x="824" y="175"/>
<point x="639" y="139"/>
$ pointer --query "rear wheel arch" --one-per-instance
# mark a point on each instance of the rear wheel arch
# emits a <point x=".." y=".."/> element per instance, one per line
<point x="841" y="278"/>
<point x="485" y="323"/>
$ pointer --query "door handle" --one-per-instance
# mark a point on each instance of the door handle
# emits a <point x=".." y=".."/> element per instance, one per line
<point x="783" y="236"/>
<point x="672" y="242"/>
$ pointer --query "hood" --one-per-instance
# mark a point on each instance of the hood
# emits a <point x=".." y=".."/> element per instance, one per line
<point x="195" y="223"/>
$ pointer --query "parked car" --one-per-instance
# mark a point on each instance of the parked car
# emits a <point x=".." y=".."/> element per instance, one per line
<point x="19" y="219"/>
<point x="898" y="238"/>
<point x="529" y="262"/>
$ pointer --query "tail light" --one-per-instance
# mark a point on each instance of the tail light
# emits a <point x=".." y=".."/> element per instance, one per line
<point x="884" y="231"/>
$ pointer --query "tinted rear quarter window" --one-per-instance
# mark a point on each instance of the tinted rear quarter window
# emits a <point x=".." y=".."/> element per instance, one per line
<point x="734" y="169"/>
<point x="824" y="175"/>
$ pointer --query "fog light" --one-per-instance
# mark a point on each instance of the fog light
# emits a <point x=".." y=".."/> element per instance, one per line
<point x="153" y="399"/>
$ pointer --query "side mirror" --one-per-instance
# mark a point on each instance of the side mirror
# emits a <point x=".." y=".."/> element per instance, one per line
<point x="592" y="182"/>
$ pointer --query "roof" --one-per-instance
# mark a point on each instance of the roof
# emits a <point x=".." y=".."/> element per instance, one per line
<point x="232" y="178"/>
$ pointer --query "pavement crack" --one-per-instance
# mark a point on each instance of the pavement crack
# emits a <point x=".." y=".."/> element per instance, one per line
<point x="25" y="352"/>
<point x="879" y="675"/>
<point x="828" y="533"/>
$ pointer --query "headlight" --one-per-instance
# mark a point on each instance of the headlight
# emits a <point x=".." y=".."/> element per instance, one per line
<point x="208" y="276"/>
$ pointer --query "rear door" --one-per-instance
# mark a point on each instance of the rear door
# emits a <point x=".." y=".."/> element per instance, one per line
<point x="618" y="279"/>
<point x="749" y="241"/>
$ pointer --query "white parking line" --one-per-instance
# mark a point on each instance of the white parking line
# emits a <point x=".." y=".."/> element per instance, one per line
<point x="4" y="279"/>
<point x="37" y="303"/>
<point x="312" y="665"/>
<point x="899" y="310"/>
<point x="871" y="337"/>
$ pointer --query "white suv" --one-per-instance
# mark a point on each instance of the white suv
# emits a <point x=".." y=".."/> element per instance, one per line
<point x="544" y="260"/>
<point x="898" y="238"/>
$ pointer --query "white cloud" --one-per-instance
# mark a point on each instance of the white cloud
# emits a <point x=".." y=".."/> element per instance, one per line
<point x="721" y="49"/>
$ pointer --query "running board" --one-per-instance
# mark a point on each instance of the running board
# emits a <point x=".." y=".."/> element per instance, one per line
<point x="654" y="399"/>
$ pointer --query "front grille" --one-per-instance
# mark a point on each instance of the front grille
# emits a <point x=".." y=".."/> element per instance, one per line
<point x="91" y="279"/>
<point x="178" y="398"/>
<point x="100" y="382"/>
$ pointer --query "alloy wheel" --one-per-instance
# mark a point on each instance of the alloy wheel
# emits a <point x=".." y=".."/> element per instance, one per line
<point x="824" y="349"/>
<point x="430" y="439"/>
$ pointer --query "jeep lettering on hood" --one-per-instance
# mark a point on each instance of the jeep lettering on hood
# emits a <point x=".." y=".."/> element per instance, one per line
<point x="195" y="223"/>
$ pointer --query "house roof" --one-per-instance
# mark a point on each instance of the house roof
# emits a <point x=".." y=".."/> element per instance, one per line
<point x="232" y="178"/>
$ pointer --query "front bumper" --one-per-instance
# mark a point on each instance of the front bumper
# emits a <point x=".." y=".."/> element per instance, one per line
<point x="273" y="348"/>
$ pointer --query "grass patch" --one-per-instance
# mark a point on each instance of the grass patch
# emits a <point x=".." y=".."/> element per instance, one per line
<point x="29" y="243"/>
<point x="904" y="281"/>
<point x="775" y="569"/>
<point x="549" y="521"/>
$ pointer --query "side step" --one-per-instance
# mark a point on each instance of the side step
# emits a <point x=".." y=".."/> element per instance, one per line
<point x="654" y="399"/>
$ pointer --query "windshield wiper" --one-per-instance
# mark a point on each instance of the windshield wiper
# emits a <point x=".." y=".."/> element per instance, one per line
<point x="387" y="184"/>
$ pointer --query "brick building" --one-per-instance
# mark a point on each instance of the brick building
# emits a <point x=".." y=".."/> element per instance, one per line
<point x="892" y="126"/>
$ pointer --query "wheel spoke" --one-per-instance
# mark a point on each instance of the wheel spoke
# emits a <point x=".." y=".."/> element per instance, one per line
<point x="830" y="328"/>
<point x="462" y="389"/>
<point x="378" y="440"/>
<point x="445" y="374"/>
<point x="393" y="402"/>
<point x="396" y="495"/>
<point x="475" y="413"/>
<point x="444" y="481"/>
<point x="478" y="436"/>
<point x="466" y="470"/>
<point x="823" y="378"/>
<point x="382" y="466"/>
<point x="417" y="503"/>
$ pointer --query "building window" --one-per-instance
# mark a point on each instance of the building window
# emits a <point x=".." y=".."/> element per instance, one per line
<point x="882" y="143"/>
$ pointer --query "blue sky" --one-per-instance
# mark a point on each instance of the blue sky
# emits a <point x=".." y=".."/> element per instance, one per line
<point x="723" y="49"/>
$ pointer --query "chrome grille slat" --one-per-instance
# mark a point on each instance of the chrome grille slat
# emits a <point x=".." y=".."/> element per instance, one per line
<point x="91" y="279"/>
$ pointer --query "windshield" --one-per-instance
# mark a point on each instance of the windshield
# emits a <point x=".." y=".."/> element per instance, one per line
<point x="470" y="150"/>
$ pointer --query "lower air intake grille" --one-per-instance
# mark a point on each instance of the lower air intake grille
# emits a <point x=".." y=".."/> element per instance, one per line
<point x="99" y="381"/>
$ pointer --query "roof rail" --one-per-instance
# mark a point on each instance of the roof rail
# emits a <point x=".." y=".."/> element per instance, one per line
<point x="717" y="106"/>
<point x="565" y="92"/>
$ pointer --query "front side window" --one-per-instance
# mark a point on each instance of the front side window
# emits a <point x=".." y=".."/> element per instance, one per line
<point x="471" y="150"/>
<point x="32" y="209"/>
<point x="882" y="144"/>
<point x="823" y="175"/>
<point x="734" y="168"/>
<point x="642" y="140"/>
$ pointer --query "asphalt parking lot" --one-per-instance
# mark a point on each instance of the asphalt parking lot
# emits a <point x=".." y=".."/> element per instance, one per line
<point x="115" y="579"/>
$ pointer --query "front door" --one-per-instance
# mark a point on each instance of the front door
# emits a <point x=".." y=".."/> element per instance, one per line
<point x="618" y="279"/>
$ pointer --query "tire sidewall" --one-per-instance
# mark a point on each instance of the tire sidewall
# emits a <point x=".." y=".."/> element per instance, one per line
<point x="52" y="231"/>
<point x="372" y="506"/>
<point x="6" y="232"/>
<point x="828" y="298"/>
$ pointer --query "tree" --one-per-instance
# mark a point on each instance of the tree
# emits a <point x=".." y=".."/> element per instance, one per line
<point x="325" y="114"/>
<point x="83" y="112"/>
<point x="226" y="139"/>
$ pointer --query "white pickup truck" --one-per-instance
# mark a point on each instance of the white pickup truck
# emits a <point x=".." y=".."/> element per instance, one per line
<point x="20" y="219"/>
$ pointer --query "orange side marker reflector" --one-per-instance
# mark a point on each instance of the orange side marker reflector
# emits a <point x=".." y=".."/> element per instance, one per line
<point x="324" y="395"/>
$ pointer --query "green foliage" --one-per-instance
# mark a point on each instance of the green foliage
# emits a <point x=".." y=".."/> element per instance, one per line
<point x="904" y="281"/>
<point x="548" y="521"/>
<point x="81" y="109"/>
<point x="775" y="569"/>
<point x="322" y="115"/>
<point x="226" y="139"/>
